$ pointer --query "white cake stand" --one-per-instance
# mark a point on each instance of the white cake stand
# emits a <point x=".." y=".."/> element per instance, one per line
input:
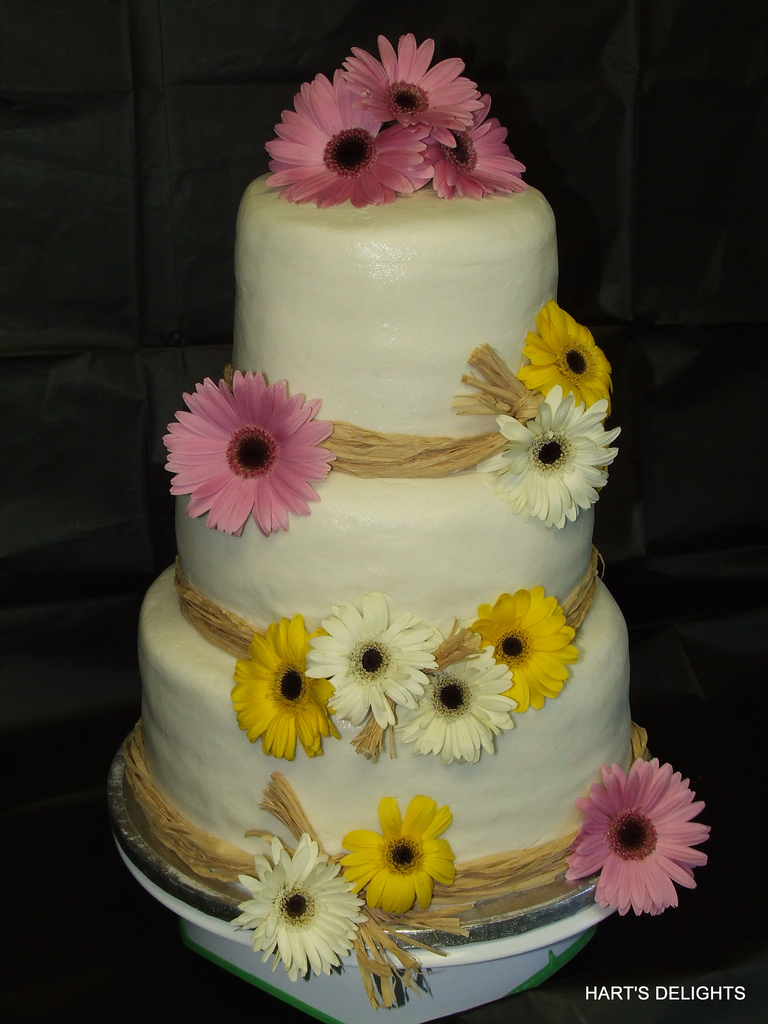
<point x="514" y="944"/>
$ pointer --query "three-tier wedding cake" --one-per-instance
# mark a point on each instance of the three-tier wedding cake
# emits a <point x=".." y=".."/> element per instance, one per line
<point x="385" y="646"/>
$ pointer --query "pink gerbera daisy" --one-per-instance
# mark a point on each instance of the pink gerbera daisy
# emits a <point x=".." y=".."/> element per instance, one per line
<point x="639" y="835"/>
<point x="328" y="151"/>
<point x="248" y="449"/>
<point x="478" y="163"/>
<point x="402" y="87"/>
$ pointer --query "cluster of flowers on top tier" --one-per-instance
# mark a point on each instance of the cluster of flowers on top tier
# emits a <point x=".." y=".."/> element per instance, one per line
<point x="386" y="127"/>
<point x="554" y="465"/>
<point x="370" y="666"/>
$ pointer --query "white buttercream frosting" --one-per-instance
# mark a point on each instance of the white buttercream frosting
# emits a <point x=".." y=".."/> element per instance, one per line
<point x="436" y="548"/>
<point x="376" y="310"/>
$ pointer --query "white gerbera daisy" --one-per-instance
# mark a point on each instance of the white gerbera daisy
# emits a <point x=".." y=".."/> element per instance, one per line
<point x="373" y="658"/>
<point x="553" y="465"/>
<point x="302" y="909"/>
<point x="463" y="708"/>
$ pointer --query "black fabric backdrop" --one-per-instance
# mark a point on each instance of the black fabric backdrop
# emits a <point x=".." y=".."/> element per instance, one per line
<point x="129" y="131"/>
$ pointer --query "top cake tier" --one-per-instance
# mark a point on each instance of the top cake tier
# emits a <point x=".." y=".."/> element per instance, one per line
<point x="375" y="310"/>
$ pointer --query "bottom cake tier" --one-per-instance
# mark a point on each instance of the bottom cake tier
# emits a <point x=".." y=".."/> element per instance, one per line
<point x="520" y="796"/>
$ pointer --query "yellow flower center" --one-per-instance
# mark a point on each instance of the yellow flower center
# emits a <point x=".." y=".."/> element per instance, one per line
<point x="296" y="906"/>
<point x="403" y="854"/>
<point x="514" y="648"/>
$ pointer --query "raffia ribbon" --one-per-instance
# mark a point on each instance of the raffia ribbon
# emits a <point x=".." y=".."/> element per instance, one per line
<point x="229" y="632"/>
<point x="369" y="453"/>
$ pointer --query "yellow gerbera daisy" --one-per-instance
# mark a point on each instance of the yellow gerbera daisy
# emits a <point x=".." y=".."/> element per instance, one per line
<point x="401" y="865"/>
<point x="565" y="353"/>
<point x="527" y="631"/>
<point x="275" y="699"/>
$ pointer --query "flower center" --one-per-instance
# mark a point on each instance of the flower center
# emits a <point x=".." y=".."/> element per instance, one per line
<point x="403" y="854"/>
<point x="513" y="647"/>
<point x="632" y="836"/>
<point x="450" y="696"/>
<point x="406" y="98"/>
<point x="251" y="452"/>
<point x="576" y="361"/>
<point x="349" y="152"/>
<point x="371" y="660"/>
<point x="550" y="453"/>
<point x="296" y="906"/>
<point x="463" y="155"/>
<point x="291" y="685"/>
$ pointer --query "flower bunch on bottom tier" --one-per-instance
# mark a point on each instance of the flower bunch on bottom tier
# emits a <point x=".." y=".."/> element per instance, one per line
<point x="385" y="127"/>
<point x="639" y="835"/>
<point x="309" y="911"/>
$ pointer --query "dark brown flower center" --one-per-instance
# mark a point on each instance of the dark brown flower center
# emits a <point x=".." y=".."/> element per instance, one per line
<point x="371" y="659"/>
<point x="549" y="453"/>
<point x="251" y="452"/>
<point x="463" y="155"/>
<point x="403" y="854"/>
<point x="449" y="696"/>
<point x="632" y="836"/>
<point x="291" y="684"/>
<point x="513" y="648"/>
<point x="349" y="152"/>
<point x="576" y="361"/>
<point x="297" y="906"/>
<point x="406" y="98"/>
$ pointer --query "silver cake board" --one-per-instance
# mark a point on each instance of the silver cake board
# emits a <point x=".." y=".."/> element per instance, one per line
<point x="513" y="945"/>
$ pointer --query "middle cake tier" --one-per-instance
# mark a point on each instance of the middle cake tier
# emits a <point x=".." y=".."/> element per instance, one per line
<point x="437" y="548"/>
